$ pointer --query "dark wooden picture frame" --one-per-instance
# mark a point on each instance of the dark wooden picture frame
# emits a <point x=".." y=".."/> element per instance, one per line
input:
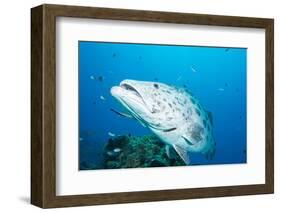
<point x="43" y="105"/>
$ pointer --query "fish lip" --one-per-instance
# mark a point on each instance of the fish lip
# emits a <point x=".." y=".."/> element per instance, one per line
<point x="130" y="88"/>
<point x="127" y="86"/>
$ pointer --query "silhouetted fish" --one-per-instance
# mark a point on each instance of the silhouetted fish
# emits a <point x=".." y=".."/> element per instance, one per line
<point x="111" y="134"/>
<point x="100" y="78"/>
<point x="193" y="69"/>
<point x="117" y="150"/>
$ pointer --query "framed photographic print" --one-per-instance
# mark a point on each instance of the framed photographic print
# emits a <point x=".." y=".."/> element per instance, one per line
<point x="135" y="106"/>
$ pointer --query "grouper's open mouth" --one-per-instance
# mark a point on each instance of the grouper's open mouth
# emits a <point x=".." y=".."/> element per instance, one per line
<point x="131" y="89"/>
<point x="129" y="95"/>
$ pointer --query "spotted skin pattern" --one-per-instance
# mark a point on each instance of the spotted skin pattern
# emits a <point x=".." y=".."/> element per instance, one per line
<point x="173" y="114"/>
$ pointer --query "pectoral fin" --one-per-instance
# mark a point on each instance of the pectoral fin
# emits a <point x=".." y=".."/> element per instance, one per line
<point x="182" y="152"/>
<point x="167" y="148"/>
<point x="122" y="113"/>
<point x="127" y="116"/>
<point x="170" y="152"/>
<point x="210" y="117"/>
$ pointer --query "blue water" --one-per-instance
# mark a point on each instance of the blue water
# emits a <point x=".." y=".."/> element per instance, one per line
<point x="215" y="75"/>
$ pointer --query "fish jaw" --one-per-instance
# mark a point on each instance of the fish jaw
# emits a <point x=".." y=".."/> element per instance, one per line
<point x="142" y="89"/>
<point x="128" y="98"/>
<point x="131" y="101"/>
<point x="131" y="94"/>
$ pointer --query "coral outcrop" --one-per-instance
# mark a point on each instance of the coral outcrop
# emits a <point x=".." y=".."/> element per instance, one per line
<point x="137" y="152"/>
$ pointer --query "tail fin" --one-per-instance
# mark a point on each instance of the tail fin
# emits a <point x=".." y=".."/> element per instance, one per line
<point x="210" y="153"/>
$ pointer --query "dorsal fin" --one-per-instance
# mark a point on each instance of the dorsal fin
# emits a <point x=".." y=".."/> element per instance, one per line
<point x="210" y="116"/>
<point x="210" y="153"/>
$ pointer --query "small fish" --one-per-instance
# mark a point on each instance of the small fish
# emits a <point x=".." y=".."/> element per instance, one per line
<point x="100" y="78"/>
<point x="226" y="49"/>
<point x="110" y="153"/>
<point x="111" y="134"/>
<point x="193" y="69"/>
<point x="114" y="153"/>
<point x="226" y="84"/>
<point x="102" y="98"/>
<point x="155" y="79"/>
<point x="117" y="150"/>
<point x="140" y="57"/>
<point x="81" y="139"/>
<point x="221" y="89"/>
<point x="114" y="55"/>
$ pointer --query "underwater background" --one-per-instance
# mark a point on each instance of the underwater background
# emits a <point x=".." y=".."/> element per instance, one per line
<point x="216" y="76"/>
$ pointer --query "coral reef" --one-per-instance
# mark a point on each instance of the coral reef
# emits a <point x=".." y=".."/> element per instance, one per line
<point x="137" y="152"/>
